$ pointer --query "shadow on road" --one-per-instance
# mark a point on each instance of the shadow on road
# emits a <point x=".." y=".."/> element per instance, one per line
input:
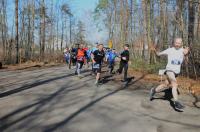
<point x="197" y="99"/>
<point x="29" y="86"/>
<point x="6" y="121"/>
<point x="168" y="96"/>
<point x="84" y="108"/>
<point x="105" y="79"/>
<point x="180" y="122"/>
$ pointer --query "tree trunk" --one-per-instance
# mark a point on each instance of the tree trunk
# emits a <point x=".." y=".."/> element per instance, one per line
<point x="191" y="23"/>
<point x="61" y="43"/>
<point x="145" y="26"/>
<point x="191" y="35"/>
<point x="42" y="30"/>
<point x="16" y="32"/>
<point x="33" y="29"/>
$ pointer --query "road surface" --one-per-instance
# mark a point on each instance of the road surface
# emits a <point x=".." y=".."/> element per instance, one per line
<point x="54" y="99"/>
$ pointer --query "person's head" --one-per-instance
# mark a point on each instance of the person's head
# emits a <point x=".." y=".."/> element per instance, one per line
<point x="76" y="46"/>
<point x="100" y="47"/>
<point x="113" y="50"/>
<point x="178" y="43"/>
<point x="81" y="46"/>
<point x="104" y="49"/>
<point x="97" y="44"/>
<point x="65" y="51"/>
<point x="126" y="47"/>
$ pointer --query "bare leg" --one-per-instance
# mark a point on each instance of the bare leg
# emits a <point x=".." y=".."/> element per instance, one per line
<point x="162" y="86"/>
<point x="170" y="82"/>
<point x="174" y="85"/>
<point x="98" y="76"/>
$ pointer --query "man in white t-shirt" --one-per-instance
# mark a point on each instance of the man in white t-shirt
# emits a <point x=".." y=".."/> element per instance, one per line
<point x="175" y="58"/>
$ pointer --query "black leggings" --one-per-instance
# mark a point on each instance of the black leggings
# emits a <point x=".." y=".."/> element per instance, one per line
<point x="123" y="65"/>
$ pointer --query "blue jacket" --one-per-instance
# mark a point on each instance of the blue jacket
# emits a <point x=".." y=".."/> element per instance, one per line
<point x="112" y="56"/>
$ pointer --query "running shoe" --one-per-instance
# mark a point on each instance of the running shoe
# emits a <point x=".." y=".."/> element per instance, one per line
<point x="152" y="93"/>
<point x="178" y="105"/>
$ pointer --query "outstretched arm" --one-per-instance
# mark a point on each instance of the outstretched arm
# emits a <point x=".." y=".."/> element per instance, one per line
<point x="159" y="53"/>
<point x="186" y="50"/>
<point x="155" y="51"/>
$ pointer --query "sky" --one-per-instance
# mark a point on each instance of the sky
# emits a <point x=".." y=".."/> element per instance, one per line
<point x="82" y="10"/>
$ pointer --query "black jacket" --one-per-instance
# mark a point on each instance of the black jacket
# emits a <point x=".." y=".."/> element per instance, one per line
<point x="125" y="53"/>
<point x="98" y="56"/>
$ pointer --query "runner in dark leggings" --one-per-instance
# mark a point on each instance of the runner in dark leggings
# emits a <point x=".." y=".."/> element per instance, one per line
<point x="124" y="62"/>
<point x="111" y="60"/>
<point x="73" y="52"/>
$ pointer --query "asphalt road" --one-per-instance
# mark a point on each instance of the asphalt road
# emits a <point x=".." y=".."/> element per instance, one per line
<point x="54" y="99"/>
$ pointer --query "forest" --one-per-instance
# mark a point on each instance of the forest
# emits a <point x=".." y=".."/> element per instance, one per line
<point x="41" y="29"/>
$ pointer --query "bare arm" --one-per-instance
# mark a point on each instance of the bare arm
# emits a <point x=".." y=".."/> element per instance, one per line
<point x="92" y="57"/>
<point x="186" y="50"/>
<point x="158" y="53"/>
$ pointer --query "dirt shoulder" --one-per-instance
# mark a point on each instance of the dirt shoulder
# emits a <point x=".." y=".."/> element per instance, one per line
<point x="29" y="66"/>
<point x="186" y="85"/>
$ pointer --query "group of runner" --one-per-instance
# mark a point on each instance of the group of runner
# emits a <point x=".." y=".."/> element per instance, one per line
<point x="79" y="56"/>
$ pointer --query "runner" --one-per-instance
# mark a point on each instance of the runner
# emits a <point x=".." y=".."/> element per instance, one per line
<point x="85" y="58"/>
<point x="96" y="47"/>
<point x="124" y="62"/>
<point x="67" y="56"/>
<point x="80" y="55"/>
<point x="73" y="52"/>
<point x="175" y="58"/>
<point x="97" y="59"/>
<point x="92" y="51"/>
<point x="88" y="56"/>
<point x="107" y="53"/>
<point x="111" y="60"/>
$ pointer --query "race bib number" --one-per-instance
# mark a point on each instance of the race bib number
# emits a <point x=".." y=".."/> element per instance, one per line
<point x="96" y="66"/>
<point x="176" y="62"/>
<point x="80" y="59"/>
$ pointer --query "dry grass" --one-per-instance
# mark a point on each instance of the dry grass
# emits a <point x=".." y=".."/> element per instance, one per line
<point x="186" y="85"/>
<point x="29" y="65"/>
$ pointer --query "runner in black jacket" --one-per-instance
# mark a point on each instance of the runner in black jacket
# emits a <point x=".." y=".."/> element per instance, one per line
<point x="124" y="62"/>
<point x="97" y="60"/>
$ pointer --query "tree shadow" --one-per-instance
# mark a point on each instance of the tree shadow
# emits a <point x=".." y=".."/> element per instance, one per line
<point x="168" y="97"/>
<point x="69" y="118"/>
<point x="105" y="79"/>
<point x="6" y="122"/>
<point x="29" y="78"/>
<point x="130" y="81"/>
<point x="82" y="109"/>
<point x="171" y="121"/>
<point x="197" y="99"/>
<point x="29" y="86"/>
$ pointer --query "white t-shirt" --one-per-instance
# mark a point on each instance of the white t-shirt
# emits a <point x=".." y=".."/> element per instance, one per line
<point x="175" y="59"/>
